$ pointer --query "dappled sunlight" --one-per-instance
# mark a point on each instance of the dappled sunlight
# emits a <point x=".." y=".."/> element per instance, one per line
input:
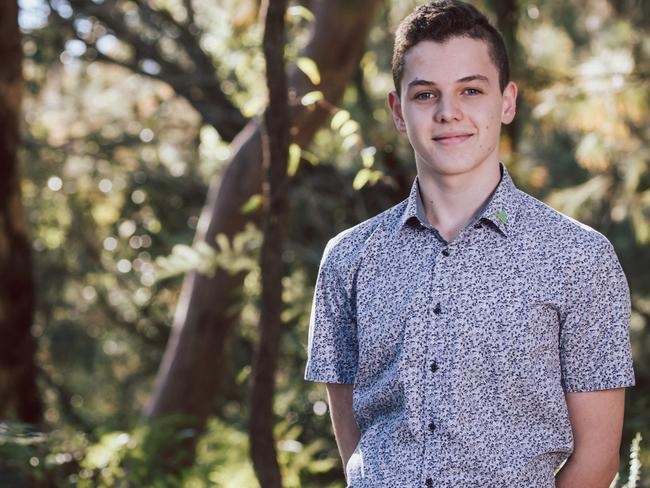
<point x="133" y="132"/>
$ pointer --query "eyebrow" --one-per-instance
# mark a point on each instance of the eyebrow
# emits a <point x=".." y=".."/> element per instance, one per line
<point x="465" y="79"/>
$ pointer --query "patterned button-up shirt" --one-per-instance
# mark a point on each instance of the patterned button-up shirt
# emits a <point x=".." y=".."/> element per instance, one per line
<point x="461" y="352"/>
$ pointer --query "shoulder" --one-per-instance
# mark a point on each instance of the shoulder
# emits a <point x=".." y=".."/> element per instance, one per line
<point x="347" y="247"/>
<point x="559" y="230"/>
<point x="583" y="257"/>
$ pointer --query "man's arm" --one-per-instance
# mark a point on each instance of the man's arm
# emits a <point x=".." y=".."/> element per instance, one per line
<point x="597" y="423"/>
<point x="345" y="425"/>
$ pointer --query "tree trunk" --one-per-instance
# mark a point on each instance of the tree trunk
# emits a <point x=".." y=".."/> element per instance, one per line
<point x="507" y="13"/>
<point x="276" y="152"/>
<point x="188" y="377"/>
<point x="19" y="397"/>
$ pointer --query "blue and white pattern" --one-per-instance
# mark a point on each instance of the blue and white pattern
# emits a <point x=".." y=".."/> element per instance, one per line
<point x="460" y="353"/>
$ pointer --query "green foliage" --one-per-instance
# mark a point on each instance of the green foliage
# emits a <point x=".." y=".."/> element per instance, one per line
<point x="309" y="67"/>
<point x="634" y="469"/>
<point x="116" y="168"/>
<point x="153" y="455"/>
<point x="144" y="456"/>
<point x="236" y="255"/>
<point x="32" y="458"/>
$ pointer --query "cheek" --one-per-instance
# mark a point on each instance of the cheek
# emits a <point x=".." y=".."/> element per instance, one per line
<point x="492" y="122"/>
<point x="415" y="121"/>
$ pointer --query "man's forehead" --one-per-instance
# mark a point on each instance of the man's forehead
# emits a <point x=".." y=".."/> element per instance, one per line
<point x="464" y="42"/>
<point x="465" y="79"/>
<point x="456" y="59"/>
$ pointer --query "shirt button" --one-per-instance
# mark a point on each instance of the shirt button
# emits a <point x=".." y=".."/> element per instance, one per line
<point x="445" y="252"/>
<point x="437" y="309"/>
<point x="432" y="426"/>
<point x="429" y="482"/>
<point x="434" y="367"/>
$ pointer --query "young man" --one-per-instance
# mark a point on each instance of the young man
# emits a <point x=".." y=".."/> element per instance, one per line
<point x="470" y="336"/>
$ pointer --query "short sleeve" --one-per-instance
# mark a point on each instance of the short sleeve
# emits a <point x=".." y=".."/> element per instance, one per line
<point x="595" y="351"/>
<point x="332" y="348"/>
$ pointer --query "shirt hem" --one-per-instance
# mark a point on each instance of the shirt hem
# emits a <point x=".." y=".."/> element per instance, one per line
<point x="581" y="388"/>
<point x="329" y="379"/>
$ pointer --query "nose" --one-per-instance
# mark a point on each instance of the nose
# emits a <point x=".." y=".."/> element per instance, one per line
<point x="447" y="110"/>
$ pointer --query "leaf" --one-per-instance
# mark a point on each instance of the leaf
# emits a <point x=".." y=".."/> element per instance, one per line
<point x="204" y="250"/>
<point x="294" y="159"/>
<point x="349" y="128"/>
<point x="311" y="157"/>
<point x="300" y="11"/>
<point x="361" y="179"/>
<point x="340" y="118"/>
<point x="184" y="252"/>
<point x="571" y="200"/>
<point x="243" y="375"/>
<point x="253" y="106"/>
<point x="311" y="97"/>
<point x="591" y="153"/>
<point x="640" y="225"/>
<point x="252" y="204"/>
<point x="309" y="67"/>
<point x="223" y="242"/>
<point x="368" y="156"/>
<point x="635" y="462"/>
<point x="350" y="141"/>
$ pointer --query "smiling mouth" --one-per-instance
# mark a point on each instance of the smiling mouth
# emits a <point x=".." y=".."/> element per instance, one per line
<point x="451" y="139"/>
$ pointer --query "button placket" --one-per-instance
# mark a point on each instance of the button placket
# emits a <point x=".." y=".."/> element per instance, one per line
<point x="440" y="316"/>
<point x="433" y="380"/>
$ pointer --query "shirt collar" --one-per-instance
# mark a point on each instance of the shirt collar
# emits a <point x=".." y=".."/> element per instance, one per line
<point x="501" y="208"/>
<point x="413" y="202"/>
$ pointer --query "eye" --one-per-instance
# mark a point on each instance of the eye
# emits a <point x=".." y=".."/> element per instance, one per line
<point x="424" y="96"/>
<point x="472" y="91"/>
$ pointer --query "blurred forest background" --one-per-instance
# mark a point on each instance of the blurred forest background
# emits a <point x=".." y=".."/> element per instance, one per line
<point x="133" y="216"/>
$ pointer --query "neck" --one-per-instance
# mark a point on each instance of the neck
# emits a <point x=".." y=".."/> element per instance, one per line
<point x="451" y="201"/>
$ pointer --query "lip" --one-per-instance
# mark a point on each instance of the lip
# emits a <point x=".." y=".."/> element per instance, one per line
<point x="451" y="138"/>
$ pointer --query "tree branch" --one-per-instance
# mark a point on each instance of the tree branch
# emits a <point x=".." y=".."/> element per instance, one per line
<point x="189" y="11"/>
<point x="155" y="18"/>
<point x="143" y="49"/>
<point x="204" y="92"/>
<point x="205" y="85"/>
<point x="206" y="309"/>
<point x="276" y="150"/>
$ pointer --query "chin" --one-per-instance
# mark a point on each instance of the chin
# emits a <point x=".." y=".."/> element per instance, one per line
<point x="450" y="168"/>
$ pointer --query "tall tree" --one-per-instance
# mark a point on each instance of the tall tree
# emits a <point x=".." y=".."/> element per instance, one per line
<point x="18" y="392"/>
<point x="276" y="152"/>
<point x="188" y="377"/>
<point x="187" y="380"/>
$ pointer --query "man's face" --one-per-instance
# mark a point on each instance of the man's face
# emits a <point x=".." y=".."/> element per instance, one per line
<point x="451" y="106"/>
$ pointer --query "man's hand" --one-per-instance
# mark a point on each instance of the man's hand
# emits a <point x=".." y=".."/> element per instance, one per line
<point x="345" y="426"/>
<point x="597" y="422"/>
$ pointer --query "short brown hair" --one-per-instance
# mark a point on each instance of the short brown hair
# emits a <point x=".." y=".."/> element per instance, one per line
<point x="439" y="21"/>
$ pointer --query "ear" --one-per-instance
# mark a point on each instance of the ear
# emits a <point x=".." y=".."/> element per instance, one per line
<point x="395" y="105"/>
<point x="509" y="102"/>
